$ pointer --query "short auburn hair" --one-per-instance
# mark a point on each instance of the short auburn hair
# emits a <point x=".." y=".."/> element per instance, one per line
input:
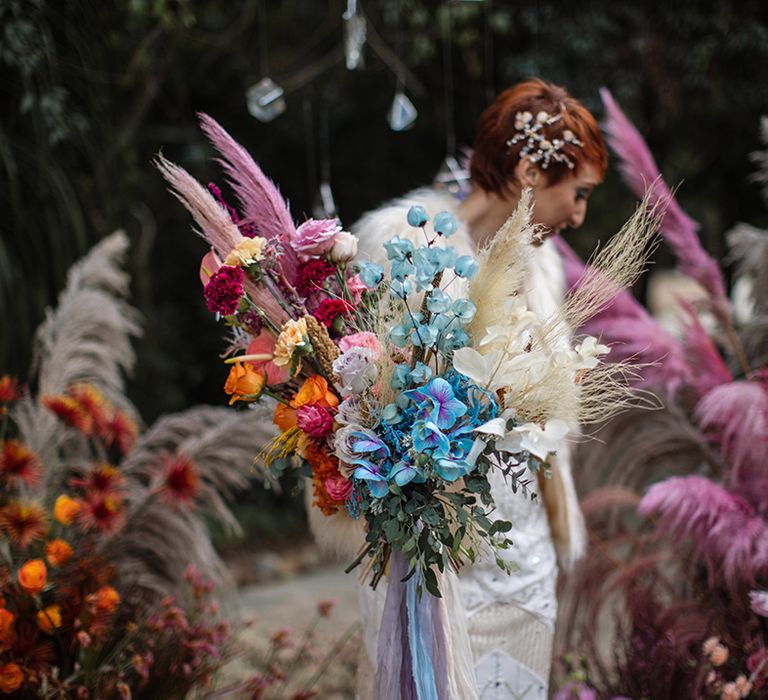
<point x="493" y="162"/>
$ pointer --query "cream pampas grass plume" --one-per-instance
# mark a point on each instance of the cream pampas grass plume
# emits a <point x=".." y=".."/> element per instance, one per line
<point x="86" y="338"/>
<point x="503" y="264"/>
<point x="216" y="226"/>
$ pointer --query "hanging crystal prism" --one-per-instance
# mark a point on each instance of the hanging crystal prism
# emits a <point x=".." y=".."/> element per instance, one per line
<point x="354" y="36"/>
<point x="324" y="206"/>
<point x="402" y="113"/>
<point x="265" y="100"/>
<point x="453" y="177"/>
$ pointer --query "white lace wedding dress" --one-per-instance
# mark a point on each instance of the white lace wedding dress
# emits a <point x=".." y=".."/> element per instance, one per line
<point x="508" y="620"/>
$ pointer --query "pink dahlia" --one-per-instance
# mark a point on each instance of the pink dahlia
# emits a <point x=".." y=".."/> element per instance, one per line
<point x="315" y="237"/>
<point x="314" y="420"/>
<point x="224" y="289"/>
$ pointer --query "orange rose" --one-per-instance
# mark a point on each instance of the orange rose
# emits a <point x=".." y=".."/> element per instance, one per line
<point x="243" y="383"/>
<point x="315" y="391"/>
<point x="7" y="618"/>
<point x="11" y="677"/>
<point x="105" y="600"/>
<point x="58" y="552"/>
<point x="49" y="619"/>
<point x="32" y="576"/>
<point x="65" y="509"/>
<point x="285" y="417"/>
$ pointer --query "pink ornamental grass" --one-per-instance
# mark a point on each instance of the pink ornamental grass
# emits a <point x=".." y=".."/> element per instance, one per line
<point x="261" y="203"/>
<point x="736" y="416"/>
<point x="641" y="173"/>
<point x="723" y="527"/>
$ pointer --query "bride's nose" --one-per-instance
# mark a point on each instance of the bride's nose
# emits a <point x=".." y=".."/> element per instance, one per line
<point x="579" y="214"/>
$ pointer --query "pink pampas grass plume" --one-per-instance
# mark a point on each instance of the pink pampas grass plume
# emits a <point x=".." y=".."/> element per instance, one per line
<point x="701" y="353"/>
<point x="261" y="203"/>
<point x="641" y="173"/>
<point x="215" y="224"/>
<point x="736" y="415"/>
<point x="725" y="531"/>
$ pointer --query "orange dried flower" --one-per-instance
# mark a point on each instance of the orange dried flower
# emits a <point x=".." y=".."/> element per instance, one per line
<point x="243" y="383"/>
<point x="181" y="483"/>
<point x="49" y="619"/>
<point x="285" y="417"/>
<point x="66" y="509"/>
<point x="322" y="462"/>
<point x="11" y="678"/>
<point x="58" y="552"/>
<point x="102" y="511"/>
<point x="7" y="618"/>
<point x="24" y="522"/>
<point x="103" y="601"/>
<point x="32" y="576"/>
<point x="70" y="412"/>
<point x="122" y="431"/>
<point x="315" y="391"/>
<point x="18" y="463"/>
<point x="102" y="478"/>
<point x="9" y="389"/>
<point x="93" y="404"/>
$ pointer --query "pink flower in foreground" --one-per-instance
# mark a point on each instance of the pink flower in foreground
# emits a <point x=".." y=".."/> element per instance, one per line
<point x="264" y="344"/>
<point x="315" y="236"/>
<point x="356" y="288"/>
<point x="224" y="289"/>
<point x="338" y="488"/>
<point x="314" y="420"/>
<point x="363" y="339"/>
<point x="759" y="602"/>
<point x="324" y="607"/>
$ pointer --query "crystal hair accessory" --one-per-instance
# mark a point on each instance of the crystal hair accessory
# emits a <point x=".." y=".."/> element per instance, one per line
<point x="537" y="145"/>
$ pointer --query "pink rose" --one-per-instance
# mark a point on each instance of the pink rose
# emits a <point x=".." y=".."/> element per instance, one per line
<point x="363" y="339"/>
<point x="315" y="237"/>
<point x="338" y="487"/>
<point x="314" y="420"/>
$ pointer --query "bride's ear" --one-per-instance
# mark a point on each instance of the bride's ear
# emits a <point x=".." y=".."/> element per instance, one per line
<point x="527" y="173"/>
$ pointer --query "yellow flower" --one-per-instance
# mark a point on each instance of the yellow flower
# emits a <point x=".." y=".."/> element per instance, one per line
<point x="65" y="509"/>
<point x="58" y="552"/>
<point x="246" y="252"/>
<point x="32" y="576"/>
<point x="49" y="619"/>
<point x="243" y="383"/>
<point x="292" y="335"/>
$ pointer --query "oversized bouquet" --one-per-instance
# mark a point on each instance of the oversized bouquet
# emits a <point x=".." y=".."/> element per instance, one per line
<point x="400" y="383"/>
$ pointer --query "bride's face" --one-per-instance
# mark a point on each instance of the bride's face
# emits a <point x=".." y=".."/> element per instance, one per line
<point x="564" y="204"/>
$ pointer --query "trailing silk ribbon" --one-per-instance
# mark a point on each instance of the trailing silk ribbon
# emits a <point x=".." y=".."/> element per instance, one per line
<point x="412" y="663"/>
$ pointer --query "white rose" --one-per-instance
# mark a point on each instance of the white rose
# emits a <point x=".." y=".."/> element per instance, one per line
<point x="344" y="247"/>
<point x="356" y="370"/>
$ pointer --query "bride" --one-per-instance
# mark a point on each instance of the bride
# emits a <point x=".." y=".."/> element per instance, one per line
<point x="535" y="135"/>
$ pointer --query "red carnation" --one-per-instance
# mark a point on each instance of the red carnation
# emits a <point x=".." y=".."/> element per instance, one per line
<point x="330" y="309"/>
<point x="224" y="289"/>
<point x="311" y="275"/>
